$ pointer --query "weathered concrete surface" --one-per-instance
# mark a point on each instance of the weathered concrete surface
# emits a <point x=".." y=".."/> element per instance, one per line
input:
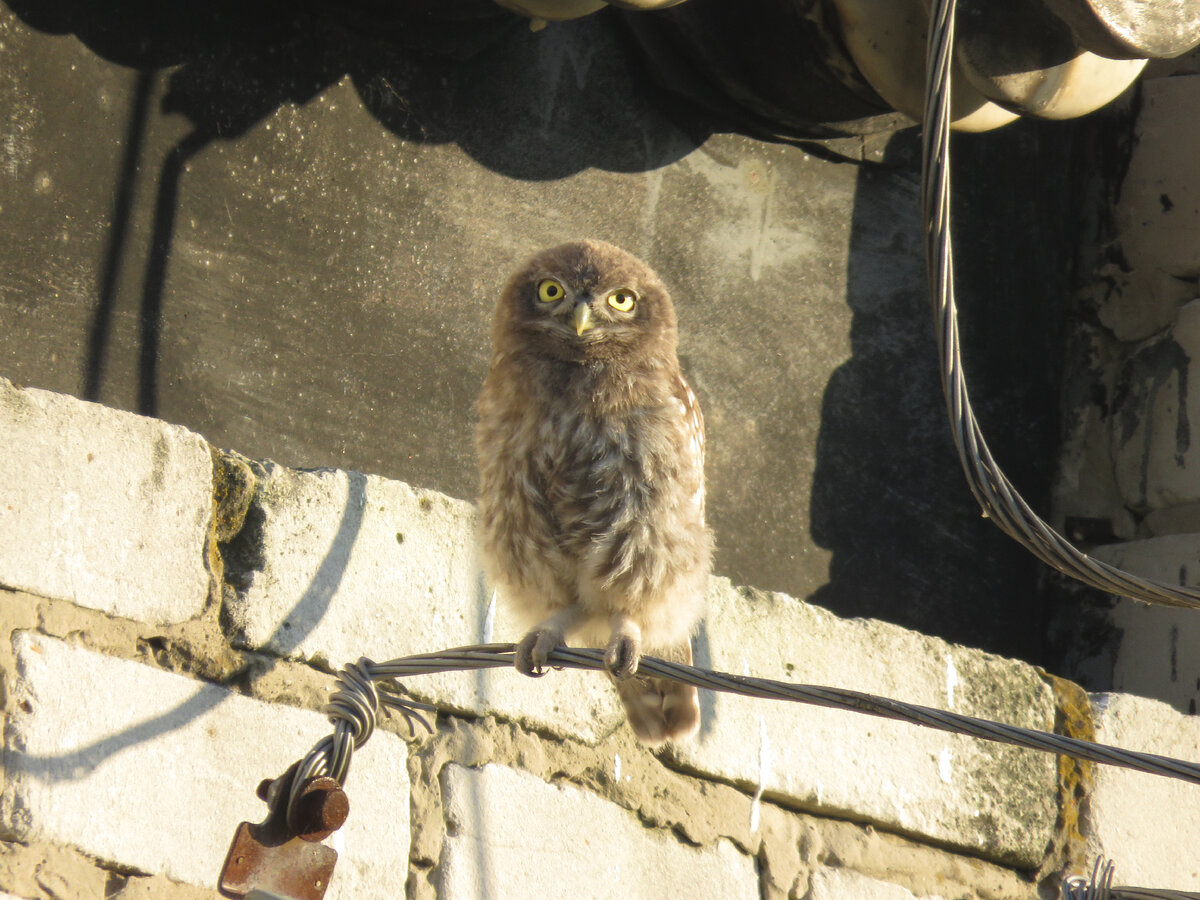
<point x="103" y="508"/>
<point x="152" y="772"/>
<point x="1128" y="477"/>
<point x="1156" y="655"/>
<point x="286" y="233"/>
<point x="1158" y="217"/>
<point x="1157" y="398"/>
<point x="565" y="842"/>
<point x="996" y="801"/>
<point x="837" y="884"/>
<point x="1133" y="393"/>
<point x="338" y="565"/>
<point x="1141" y="822"/>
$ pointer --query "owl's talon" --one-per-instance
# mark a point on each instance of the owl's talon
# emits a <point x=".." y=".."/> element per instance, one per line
<point x="534" y="650"/>
<point x="622" y="656"/>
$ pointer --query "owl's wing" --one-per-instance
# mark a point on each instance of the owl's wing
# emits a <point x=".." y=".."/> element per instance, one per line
<point x="694" y="432"/>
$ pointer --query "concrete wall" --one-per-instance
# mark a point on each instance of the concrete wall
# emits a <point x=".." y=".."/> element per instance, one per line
<point x="283" y="226"/>
<point x="1128" y="483"/>
<point x="171" y="613"/>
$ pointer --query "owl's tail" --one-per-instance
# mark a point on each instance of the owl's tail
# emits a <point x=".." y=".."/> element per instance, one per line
<point x="660" y="709"/>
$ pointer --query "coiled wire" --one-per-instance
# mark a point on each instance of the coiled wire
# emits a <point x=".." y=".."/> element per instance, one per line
<point x="1100" y="887"/>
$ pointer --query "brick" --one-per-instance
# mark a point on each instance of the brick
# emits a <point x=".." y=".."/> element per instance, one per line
<point x="102" y="508"/>
<point x="1144" y="822"/>
<point x="996" y="801"/>
<point x="510" y="834"/>
<point x="151" y="771"/>
<point x="839" y="884"/>
<point x="355" y="565"/>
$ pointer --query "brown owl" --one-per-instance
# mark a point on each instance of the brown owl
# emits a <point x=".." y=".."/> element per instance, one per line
<point x="591" y="460"/>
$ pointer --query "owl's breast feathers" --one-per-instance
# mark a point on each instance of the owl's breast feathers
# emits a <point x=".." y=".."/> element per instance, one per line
<point x="599" y="478"/>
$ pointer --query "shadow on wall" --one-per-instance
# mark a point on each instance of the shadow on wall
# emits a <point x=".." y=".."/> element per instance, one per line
<point x="575" y="88"/>
<point x="889" y="497"/>
<point x="241" y="561"/>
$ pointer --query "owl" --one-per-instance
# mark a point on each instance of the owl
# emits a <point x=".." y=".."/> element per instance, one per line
<point x="591" y="461"/>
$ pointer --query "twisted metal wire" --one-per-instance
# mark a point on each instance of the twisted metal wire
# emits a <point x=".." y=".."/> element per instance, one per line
<point x="1100" y="887"/>
<point x="365" y="686"/>
<point x="353" y="708"/>
<point x="1000" y="501"/>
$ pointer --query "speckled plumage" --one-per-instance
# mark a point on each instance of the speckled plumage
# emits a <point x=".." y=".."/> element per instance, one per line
<point x="591" y="457"/>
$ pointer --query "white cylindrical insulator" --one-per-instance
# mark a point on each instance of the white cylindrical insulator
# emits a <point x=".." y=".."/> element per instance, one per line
<point x="552" y="10"/>
<point x="887" y="43"/>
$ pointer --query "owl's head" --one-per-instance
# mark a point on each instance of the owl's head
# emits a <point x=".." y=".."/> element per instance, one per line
<point x="586" y="301"/>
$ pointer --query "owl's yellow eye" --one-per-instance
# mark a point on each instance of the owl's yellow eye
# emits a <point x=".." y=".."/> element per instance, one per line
<point x="550" y="291"/>
<point x="622" y="300"/>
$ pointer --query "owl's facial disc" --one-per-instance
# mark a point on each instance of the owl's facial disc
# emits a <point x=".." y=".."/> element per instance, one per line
<point x="582" y="318"/>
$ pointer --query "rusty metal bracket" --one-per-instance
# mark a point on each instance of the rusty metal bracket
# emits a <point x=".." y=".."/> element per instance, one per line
<point x="283" y="855"/>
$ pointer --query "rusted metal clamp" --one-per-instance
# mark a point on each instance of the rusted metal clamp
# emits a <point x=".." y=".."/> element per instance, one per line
<point x="283" y="855"/>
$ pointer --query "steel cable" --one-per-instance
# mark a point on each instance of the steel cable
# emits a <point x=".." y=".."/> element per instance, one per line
<point x="366" y="687"/>
<point x="999" y="500"/>
<point x="356" y="693"/>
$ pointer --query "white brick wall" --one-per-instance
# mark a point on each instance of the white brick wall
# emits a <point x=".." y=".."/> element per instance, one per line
<point x="102" y="508"/>
<point x="148" y="771"/>
<point x="846" y="884"/>
<point x="153" y="771"/>
<point x="994" y="800"/>
<point x="511" y="835"/>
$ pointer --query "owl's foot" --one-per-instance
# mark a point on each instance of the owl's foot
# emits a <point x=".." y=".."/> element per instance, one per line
<point x="535" y="648"/>
<point x="624" y="650"/>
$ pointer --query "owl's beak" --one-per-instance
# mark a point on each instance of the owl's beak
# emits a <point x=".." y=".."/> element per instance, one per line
<point x="582" y="317"/>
